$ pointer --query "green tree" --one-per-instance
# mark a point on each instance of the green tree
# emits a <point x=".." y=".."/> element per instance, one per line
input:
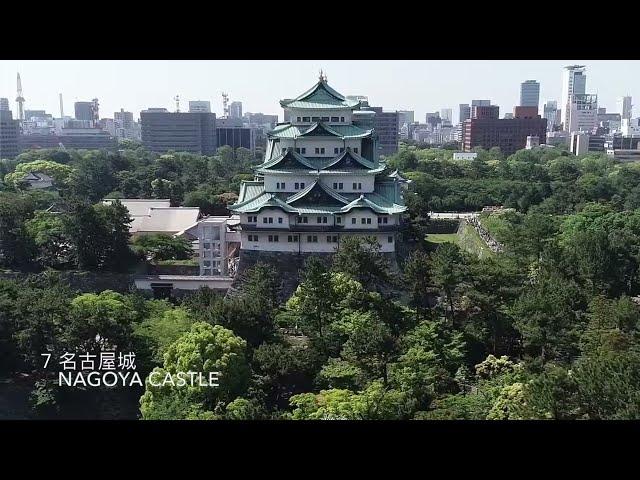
<point x="163" y="247"/>
<point x="205" y="349"/>
<point x="448" y="271"/>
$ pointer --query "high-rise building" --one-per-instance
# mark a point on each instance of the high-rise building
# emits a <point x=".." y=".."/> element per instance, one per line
<point x="529" y="93"/>
<point x="235" y="110"/>
<point x="485" y="129"/>
<point x="199" y="106"/>
<point x="624" y="107"/>
<point x="447" y="115"/>
<point x="582" y="113"/>
<point x="465" y="112"/>
<point x="4" y="104"/>
<point x="574" y="82"/>
<point x="124" y="125"/>
<point x="9" y="133"/>
<point x="405" y="117"/>
<point x="432" y="119"/>
<point x="550" y="112"/>
<point x="84" y="111"/>
<point x="181" y="132"/>
<point x="321" y="181"/>
<point x="236" y="137"/>
<point x="480" y="103"/>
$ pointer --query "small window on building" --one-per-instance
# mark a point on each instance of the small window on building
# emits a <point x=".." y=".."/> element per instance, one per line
<point x="317" y="150"/>
<point x="322" y="150"/>
<point x="340" y="186"/>
<point x="389" y="239"/>
<point x="283" y="186"/>
<point x="297" y="150"/>
<point x="335" y="185"/>
<point x="385" y="220"/>
<point x="353" y="221"/>
<point x="206" y="263"/>
<point x="302" y="185"/>
<point x="368" y="221"/>
<point x="306" y="119"/>
<point x="297" y="185"/>
<point x="335" y="119"/>
<point x="264" y="220"/>
<point x="303" y="150"/>
<point x="305" y="219"/>
<point x="279" y="219"/>
<point x="359" y="186"/>
<point x="325" y="119"/>
<point x="292" y="238"/>
<point x="355" y="150"/>
<point x="270" y="219"/>
<point x="363" y="221"/>
<point x="315" y="119"/>
<point x="355" y="186"/>
<point x="341" y="149"/>
<point x="270" y="238"/>
<point x="328" y="238"/>
<point x="324" y="219"/>
<point x="276" y="238"/>
<point x="335" y="239"/>
<point x="338" y="220"/>
<point x="299" y="119"/>
<point x="342" y="119"/>
<point x="336" y="150"/>
<point x="207" y="246"/>
<point x="295" y="238"/>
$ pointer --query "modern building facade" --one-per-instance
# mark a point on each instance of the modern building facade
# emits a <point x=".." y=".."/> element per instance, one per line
<point x="574" y="82"/>
<point x="4" y="104"/>
<point x="322" y="180"/>
<point x="235" y="110"/>
<point x="485" y="129"/>
<point x="181" y="132"/>
<point x="9" y="134"/>
<point x="236" y="137"/>
<point x="386" y="126"/>
<point x="84" y="111"/>
<point x="550" y="112"/>
<point x="624" y="107"/>
<point x="530" y="93"/>
<point x="582" y="113"/>
<point x="199" y="106"/>
<point x="464" y="113"/>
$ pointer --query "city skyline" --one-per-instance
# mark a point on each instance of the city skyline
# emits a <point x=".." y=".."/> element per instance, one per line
<point x="421" y="86"/>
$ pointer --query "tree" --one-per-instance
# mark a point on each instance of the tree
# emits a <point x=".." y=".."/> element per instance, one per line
<point x="204" y="349"/>
<point x="60" y="173"/>
<point x="51" y="240"/>
<point x="16" y="245"/>
<point x="417" y="275"/>
<point x="374" y="403"/>
<point x="163" y="247"/>
<point x="162" y="328"/>
<point x="362" y="259"/>
<point x="448" y="271"/>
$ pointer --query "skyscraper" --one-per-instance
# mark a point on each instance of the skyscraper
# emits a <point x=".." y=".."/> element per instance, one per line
<point x="574" y="82"/>
<point x="235" y="110"/>
<point x="465" y="112"/>
<point x="480" y="103"/>
<point x="84" y="111"/>
<point x="550" y="113"/>
<point x="4" y="104"/>
<point x="624" y="107"/>
<point x="529" y="93"/>
<point x="447" y="115"/>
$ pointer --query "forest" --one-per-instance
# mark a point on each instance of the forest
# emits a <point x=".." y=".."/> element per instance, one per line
<point x="547" y="329"/>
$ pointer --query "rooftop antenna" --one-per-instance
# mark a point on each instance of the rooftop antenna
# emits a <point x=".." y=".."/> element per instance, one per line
<point x="177" y="100"/>
<point x="20" y="100"/>
<point x="225" y="105"/>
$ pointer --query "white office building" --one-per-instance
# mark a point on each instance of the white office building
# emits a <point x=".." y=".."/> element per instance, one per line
<point x="574" y="82"/>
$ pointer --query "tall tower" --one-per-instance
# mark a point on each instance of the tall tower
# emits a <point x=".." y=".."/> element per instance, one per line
<point x="95" y="113"/>
<point x="574" y="82"/>
<point x="530" y="94"/>
<point x="624" y="107"/>
<point x="20" y="100"/>
<point x="61" y="109"/>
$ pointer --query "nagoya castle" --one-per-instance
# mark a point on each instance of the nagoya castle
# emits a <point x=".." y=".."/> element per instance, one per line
<point x="321" y="180"/>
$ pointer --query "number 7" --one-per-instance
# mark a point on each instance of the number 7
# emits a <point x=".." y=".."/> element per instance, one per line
<point x="48" y="355"/>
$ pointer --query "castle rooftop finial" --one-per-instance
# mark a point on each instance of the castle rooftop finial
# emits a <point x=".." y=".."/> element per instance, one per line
<point x="322" y="77"/>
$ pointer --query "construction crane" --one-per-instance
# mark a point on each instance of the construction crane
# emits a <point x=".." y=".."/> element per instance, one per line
<point x="177" y="100"/>
<point x="225" y="105"/>
<point x="20" y="100"/>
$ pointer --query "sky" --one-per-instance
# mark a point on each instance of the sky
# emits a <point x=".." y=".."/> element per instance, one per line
<point x="420" y="85"/>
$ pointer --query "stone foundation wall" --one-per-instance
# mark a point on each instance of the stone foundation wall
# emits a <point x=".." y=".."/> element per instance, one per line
<point x="83" y="282"/>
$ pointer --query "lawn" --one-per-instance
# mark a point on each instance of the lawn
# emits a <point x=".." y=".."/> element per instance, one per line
<point x="442" y="237"/>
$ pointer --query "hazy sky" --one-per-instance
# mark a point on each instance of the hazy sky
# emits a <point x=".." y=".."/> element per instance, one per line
<point x="422" y="86"/>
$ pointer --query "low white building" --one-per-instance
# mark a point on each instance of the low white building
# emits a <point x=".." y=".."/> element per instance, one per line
<point x="464" y="155"/>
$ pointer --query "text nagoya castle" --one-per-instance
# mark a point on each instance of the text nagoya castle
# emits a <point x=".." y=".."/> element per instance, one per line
<point x="321" y="180"/>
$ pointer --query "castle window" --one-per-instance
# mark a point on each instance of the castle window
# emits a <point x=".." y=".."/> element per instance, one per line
<point x="299" y="119"/>
<point x="270" y="219"/>
<point x="355" y="150"/>
<point x="303" y="150"/>
<point x="264" y="220"/>
<point x="306" y="119"/>
<point x="325" y="119"/>
<point x="353" y="221"/>
<point x="338" y="220"/>
<point x="335" y="119"/>
<point x="340" y="186"/>
<point x="279" y="219"/>
<point x="315" y="119"/>
<point x="342" y="119"/>
<point x="390" y="239"/>
<point x="302" y="185"/>
<point x="336" y="150"/>
<point x="297" y="186"/>
<point x="335" y="185"/>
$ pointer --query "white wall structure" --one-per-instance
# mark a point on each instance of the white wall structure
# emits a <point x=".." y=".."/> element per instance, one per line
<point x="321" y="180"/>
<point x="464" y="155"/>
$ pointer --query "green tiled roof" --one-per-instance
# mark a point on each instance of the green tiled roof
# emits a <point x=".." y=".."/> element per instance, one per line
<point x="253" y="198"/>
<point x="320" y="96"/>
<point x="346" y="162"/>
<point x="341" y="131"/>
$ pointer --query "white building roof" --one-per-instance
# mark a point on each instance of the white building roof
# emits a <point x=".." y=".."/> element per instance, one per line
<point x="138" y="206"/>
<point x="169" y="219"/>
